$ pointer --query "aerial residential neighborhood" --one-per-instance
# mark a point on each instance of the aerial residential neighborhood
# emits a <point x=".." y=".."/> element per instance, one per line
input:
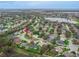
<point x="40" y="33"/>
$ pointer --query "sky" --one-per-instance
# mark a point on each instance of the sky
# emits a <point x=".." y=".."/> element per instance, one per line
<point x="39" y="5"/>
